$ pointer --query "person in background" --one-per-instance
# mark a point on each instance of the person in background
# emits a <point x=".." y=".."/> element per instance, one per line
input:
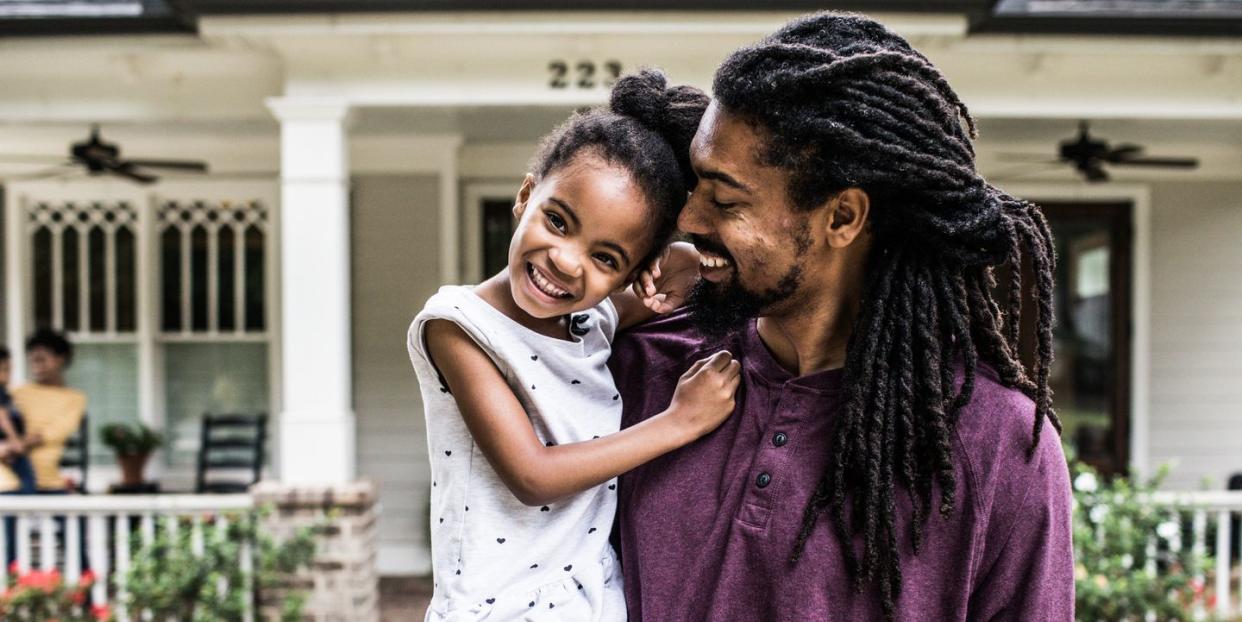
<point x="52" y="411"/>
<point x="13" y="430"/>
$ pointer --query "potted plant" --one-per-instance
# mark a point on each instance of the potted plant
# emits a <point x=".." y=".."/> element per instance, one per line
<point x="133" y="444"/>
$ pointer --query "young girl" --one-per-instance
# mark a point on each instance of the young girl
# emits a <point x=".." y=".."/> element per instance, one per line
<point x="522" y="413"/>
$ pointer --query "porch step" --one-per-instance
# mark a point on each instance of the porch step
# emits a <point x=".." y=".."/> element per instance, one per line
<point x="404" y="598"/>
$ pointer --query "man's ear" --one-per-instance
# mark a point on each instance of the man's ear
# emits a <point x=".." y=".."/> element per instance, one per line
<point x="523" y="195"/>
<point x="846" y="217"/>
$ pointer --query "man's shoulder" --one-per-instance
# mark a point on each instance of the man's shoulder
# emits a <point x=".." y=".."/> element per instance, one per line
<point x="995" y="432"/>
<point x="660" y="342"/>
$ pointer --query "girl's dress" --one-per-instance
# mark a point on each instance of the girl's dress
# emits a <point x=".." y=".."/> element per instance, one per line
<point x="493" y="557"/>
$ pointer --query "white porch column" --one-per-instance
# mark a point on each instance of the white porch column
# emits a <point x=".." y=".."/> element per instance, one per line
<point x="317" y="422"/>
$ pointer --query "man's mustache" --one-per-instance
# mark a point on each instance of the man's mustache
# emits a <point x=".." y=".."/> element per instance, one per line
<point x="711" y="246"/>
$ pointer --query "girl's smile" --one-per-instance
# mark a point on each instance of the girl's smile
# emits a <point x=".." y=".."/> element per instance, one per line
<point x="543" y="283"/>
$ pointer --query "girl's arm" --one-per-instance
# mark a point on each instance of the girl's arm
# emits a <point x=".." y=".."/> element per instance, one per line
<point x="660" y="288"/>
<point x="537" y="474"/>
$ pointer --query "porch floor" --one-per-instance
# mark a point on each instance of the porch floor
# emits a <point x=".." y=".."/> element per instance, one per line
<point x="404" y="598"/>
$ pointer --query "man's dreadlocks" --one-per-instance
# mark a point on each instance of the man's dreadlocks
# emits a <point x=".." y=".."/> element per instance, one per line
<point x="844" y="102"/>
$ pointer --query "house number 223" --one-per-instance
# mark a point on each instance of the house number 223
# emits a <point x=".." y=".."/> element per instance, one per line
<point x="584" y="74"/>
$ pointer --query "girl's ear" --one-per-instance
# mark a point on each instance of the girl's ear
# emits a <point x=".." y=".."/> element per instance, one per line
<point x="523" y="195"/>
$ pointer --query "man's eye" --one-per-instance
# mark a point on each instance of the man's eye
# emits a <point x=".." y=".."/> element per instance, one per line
<point x="556" y="221"/>
<point x="722" y="206"/>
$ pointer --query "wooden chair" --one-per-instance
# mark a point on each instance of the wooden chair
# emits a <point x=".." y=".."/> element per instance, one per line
<point x="77" y="456"/>
<point x="233" y="446"/>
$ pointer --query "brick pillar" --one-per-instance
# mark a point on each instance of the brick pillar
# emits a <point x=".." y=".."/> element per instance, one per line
<point x="342" y="584"/>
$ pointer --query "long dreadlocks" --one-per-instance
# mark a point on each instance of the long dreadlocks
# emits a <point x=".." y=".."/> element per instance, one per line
<point x="845" y="102"/>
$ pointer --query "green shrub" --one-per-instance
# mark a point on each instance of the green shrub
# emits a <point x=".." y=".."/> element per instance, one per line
<point x="130" y="440"/>
<point x="1119" y="537"/>
<point x="172" y="582"/>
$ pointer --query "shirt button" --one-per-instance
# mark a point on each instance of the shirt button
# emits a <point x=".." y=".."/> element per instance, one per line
<point x="780" y="439"/>
<point x="763" y="480"/>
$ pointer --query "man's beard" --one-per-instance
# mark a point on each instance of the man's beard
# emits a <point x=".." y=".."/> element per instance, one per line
<point x="719" y="309"/>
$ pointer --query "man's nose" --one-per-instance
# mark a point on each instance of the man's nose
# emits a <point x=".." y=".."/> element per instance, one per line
<point x="566" y="262"/>
<point x="691" y="218"/>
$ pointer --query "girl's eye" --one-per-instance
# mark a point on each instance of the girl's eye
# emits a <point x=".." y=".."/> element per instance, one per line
<point x="607" y="260"/>
<point x="556" y="221"/>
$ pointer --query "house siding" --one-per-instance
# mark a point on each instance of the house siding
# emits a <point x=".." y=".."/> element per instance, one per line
<point x="1196" y="332"/>
<point x="395" y="269"/>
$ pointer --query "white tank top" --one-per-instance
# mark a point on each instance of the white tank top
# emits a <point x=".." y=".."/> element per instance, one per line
<point x="492" y="556"/>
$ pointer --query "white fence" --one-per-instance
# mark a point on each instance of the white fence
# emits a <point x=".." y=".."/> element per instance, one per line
<point x="49" y="533"/>
<point x="1221" y="508"/>
<point x="62" y="527"/>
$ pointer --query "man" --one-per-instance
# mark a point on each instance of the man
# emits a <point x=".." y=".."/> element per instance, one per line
<point x="889" y="455"/>
<point x="53" y="411"/>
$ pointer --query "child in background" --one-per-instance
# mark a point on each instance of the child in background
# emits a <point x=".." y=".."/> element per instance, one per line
<point x="13" y="430"/>
<point x="522" y="412"/>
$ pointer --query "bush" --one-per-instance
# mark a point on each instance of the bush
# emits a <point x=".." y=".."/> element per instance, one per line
<point x="1114" y="527"/>
<point x="38" y="596"/>
<point x="168" y="579"/>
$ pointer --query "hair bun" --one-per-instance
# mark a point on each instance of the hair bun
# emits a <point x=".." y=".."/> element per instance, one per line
<point x="643" y="96"/>
<point x="673" y="113"/>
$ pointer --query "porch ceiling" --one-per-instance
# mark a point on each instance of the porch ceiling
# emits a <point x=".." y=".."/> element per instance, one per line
<point x="509" y="132"/>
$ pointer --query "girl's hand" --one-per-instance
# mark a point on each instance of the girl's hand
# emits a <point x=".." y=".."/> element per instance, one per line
<point x="664" y="285"/>
<point x="705" y="395"/>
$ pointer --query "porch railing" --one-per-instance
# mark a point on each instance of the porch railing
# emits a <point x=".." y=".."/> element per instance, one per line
<point x="56" y="532"/>
<point x="51" y="530"/>
<point x="1218" y="508"/>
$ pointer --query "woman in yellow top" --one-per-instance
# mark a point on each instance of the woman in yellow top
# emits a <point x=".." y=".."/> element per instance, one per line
<point x="53" y="411"/>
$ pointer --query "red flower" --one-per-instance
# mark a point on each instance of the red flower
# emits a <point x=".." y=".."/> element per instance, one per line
<point x="14" y="568"/>
<point x="87" y="578"/>
<point x="101" y="612"/>
<point x="79" y="597"/>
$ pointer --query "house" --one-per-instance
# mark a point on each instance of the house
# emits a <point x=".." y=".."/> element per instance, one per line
<point x="363" y="153"/>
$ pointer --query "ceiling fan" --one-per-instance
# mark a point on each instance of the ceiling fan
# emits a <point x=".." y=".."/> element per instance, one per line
<point x="1090" y="156"/>
<point x="103" y="158"/>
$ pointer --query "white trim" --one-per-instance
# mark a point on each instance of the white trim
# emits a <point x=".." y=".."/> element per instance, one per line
<point x="58" y="280"/>
<point x="1139" y="197"/>
<point x="472" y="233"/>
<point x="15" y="281"/>
<point x="151" y="380"/>
<point x="273" y="326"/>
<point x="306" y="108"/>
<point x="535" y="23"/>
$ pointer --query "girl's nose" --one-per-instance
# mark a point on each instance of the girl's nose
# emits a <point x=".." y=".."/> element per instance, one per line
<point x="565" y="262"/>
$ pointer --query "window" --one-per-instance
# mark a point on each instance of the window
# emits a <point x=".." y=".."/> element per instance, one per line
<point x="497" y="233"/>
<point x="166" y="294"/>
<point x="1090" y="378"/>
<point x="213" y="314"/>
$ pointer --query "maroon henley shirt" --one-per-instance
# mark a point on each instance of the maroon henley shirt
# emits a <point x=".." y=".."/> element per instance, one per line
<point x="706" y="532"/>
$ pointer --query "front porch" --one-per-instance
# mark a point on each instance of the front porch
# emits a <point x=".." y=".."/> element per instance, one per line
<point x="110" y="544"/>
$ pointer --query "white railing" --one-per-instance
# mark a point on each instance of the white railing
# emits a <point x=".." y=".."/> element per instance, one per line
<point x="65" y="526"/>
<point x="1221" y="507"/>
